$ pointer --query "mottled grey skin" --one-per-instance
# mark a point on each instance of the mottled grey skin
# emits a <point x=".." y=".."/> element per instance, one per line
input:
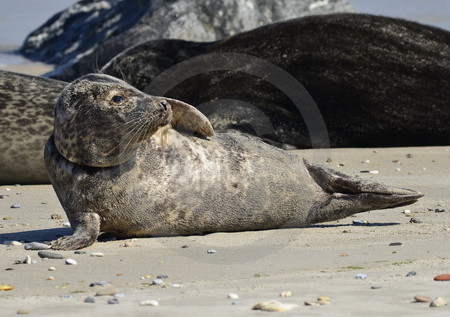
<point x="26" y="117"/>
<point x="133" y="165"/>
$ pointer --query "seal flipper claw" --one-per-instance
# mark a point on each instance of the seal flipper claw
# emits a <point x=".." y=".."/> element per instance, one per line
<point x="86" y="231"/>
<point x="350" y="195"/>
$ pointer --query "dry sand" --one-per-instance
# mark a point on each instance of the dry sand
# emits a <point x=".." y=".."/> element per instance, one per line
<point x="322" y="260"/>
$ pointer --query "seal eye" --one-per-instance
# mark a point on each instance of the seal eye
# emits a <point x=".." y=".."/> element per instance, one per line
<point x="117" y="98"/>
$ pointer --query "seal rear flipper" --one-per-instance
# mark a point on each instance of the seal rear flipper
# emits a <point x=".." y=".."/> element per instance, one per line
<point x="349" y="195"/>
<point x="86" y="231"/>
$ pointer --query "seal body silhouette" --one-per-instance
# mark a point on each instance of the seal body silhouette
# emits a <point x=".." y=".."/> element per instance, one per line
<point x="377" y="81"/>
<point x="26" y="118"/>
<point x="133" y="165"/>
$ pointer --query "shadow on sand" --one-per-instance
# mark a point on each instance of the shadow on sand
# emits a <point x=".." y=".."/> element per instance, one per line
<point x="35" y="235"/>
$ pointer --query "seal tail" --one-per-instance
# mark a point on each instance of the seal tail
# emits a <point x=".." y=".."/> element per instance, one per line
<point x="351" y="195"/>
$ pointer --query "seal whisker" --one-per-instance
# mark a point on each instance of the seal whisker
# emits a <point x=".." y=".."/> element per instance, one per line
<point x="130" y="136"/>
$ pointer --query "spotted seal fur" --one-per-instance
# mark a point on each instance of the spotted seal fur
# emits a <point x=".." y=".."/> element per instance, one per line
<point x="131" y="164"/>
<point x="377" y="81"/>
<point x="26" y="118"/>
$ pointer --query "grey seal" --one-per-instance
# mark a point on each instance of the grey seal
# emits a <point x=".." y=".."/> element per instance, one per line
<point x="377" y="81"/>
<point x="131" y="164"/>
<point x="26" y="118"/>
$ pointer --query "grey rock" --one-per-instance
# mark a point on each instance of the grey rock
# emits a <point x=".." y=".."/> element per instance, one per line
<point x="90" y="299"/>
<point x="84" y="37"/>
<point x="49" y="255"/>
<point x="36" y="246"/>
<point x="99" y="283"/>
<point x="14" y="206"/>
<point x="113" y="301"/>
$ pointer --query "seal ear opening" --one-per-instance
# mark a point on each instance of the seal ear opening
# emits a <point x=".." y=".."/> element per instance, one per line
<point x="188" y="118"/>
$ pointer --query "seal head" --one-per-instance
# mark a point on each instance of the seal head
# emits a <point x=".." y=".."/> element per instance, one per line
<point x="100" y="121"/>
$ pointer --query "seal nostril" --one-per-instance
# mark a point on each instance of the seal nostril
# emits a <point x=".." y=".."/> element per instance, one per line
<point x="165" y="104"/>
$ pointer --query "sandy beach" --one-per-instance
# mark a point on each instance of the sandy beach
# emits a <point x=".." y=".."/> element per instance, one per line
<point x="322" y="260"/>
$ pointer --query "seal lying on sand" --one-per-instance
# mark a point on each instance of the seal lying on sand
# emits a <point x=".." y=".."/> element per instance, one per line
<point x="376" y="81"/>
<point x="26" y="119"/>
<point x="132" y="165"/>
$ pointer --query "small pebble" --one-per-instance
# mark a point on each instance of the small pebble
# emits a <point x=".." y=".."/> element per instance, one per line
<point x="107" y="291"/>
<point x="412" y="273"/>
<point x="361" y="276"/>
<point x="235" y="302"/>
<point x="340" y="165"/>
<point x="89" y="299"/>
<point x="100" y="283"/>
<point x="15" y="206"/>
<point x="184" y="246"/>
<point x="398" y="169"/>
<point x="371" y="172"/>
<point x="27" y="260"/>
<point x="80" y="252"/>
<point x="409" y="155"/>
<point x="49" y="255"/>
<point x="55" y="216"/>
<point x="162" y="276"/>
<point x="323" y="300"/>
<point x="176" y="285"/>
<point x="439" y="210"/>
<point x="233" y="296"/>
<point x="5" y="287"/>
<point x="329" y="160"/>
<point x="50" y="278"/>
<point x="406" y="211"/>
<point x="97" y="254"/>
<point x="286" y="294"/>
<point x="52" y="268"/>
<point x="128" y="244"/>
<point x="66" y="224"/>
<point x="438" y="302"/>
<point x="66" y="296"/>
<point x="274" y="306"/>
<point x="157" y="281"/>
<point x="149" y="303"/>
<point x="312" y="303"/>
<point x="395" y="244"/>
<point x="23" y="312"/>
<point x="146" y="277"/>
<point x="423" y="299"/>
<point x="365" y="162"/>
<point x="375" y="287"/>
<point x="360" y="222"/>
<point x="36" y="246"/>
<point x="71" y="262"/>
<point x="442" y="277"/>
<point x="211" y="251"/>
<point x="113" y="301"/>
<point x="415" y="220"/>
<point x="119" y="295"/>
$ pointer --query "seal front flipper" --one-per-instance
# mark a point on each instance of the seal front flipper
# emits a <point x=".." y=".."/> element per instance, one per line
<point x="187" y="117"/>
<point x="86" y="231"/>
<point x="350" y="195"/>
